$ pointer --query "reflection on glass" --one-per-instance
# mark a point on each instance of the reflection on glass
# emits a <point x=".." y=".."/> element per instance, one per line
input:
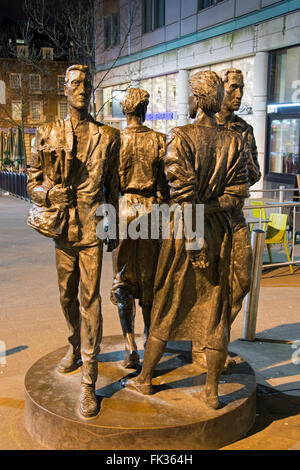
<point x="285" y="81"/>
<point x="284" y="145"/>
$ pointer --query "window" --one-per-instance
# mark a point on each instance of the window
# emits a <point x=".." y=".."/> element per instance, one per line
<point x="22" y="51"/>
<point x="159" y="13"/>
<point x="36" y="110"/>
<point x="285" y="76"/>
<point x="116" y="97"/>
<point x="62" y="109"/>
<point x="284" y="145"/>
<point x="16" y="109"/>
<point x="60" y="82"/>
<point x="202" y="4"/>
<point x="153" y="15"/>
<point x="112" y="30"/>
<point x="15" y="80"/>
<point x="35" y="81"/>
<point x="47" y="53"/>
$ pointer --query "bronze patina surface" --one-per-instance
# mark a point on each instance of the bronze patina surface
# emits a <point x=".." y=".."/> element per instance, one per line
<point x="172" y="418"/>
<point x="233" y="93"/>
<point x="241" y="245"/>
<point x="204" y="164"/>
<point x="74" y="168"/>
<point x="142" y="182"/>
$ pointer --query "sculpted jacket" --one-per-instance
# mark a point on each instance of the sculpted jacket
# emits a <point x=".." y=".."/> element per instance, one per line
<point x="91" y="169"/>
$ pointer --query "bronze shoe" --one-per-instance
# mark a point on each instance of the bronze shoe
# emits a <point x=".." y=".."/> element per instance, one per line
<point x="70" y="361"/>
<point x="134" y="385"/>
<point x="131" y="360"/>
<point x="88" y="401"/>
<point x="209" y="401"/>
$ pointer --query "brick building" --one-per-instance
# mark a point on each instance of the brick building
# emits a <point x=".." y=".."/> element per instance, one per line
<point x="31" y="90"/>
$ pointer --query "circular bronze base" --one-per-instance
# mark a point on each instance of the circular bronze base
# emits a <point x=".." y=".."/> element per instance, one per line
<point x="172" y="418"/>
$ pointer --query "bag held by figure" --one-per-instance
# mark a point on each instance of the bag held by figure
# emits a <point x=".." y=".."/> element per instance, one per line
<point x="48" y="221"/>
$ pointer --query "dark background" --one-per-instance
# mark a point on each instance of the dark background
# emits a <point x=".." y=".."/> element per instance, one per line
<point x="12" y="9"/>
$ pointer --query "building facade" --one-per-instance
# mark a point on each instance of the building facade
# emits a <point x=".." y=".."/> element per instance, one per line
<point x="31" y="91"/>
<point x="158" y="44"/>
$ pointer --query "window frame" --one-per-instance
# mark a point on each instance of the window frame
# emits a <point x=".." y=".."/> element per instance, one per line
<point x="60" y="103"/>
<point x="214" y="3"/>
<point x="153" y="8"/>
<point x="20" y="48"/>
<point x="31" y="110"/>
<point x="15" y="102"/>
<point x="45" y="50"/>
<point x="31" y="75"/>
<point x="60" y="89"/>
<point x="112" y="32"/>
<point x="19" y="75"/>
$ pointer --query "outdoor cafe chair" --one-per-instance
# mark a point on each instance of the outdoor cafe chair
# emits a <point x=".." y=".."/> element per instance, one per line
<point x="259" y="214"/>
<point x="276" y="234"/>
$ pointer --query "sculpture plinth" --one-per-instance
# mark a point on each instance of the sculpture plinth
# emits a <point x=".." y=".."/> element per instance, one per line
<point x="172" y="418"/>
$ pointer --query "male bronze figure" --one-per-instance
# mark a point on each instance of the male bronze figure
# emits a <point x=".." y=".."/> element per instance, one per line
<point x="142" y="182"/>
<point x="233" y="93"/>
<point x="74" y="167"/>
<point x="204" y="164"/>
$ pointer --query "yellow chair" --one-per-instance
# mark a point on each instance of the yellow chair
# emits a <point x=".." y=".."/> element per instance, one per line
<point x="276" y="234"/>
<point x="259" y="214"/>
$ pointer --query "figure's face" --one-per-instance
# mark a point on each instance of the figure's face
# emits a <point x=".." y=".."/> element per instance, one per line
<point x="193" y="106"/>
<point x="234" y="89"/>
<point x="78" y="90"/>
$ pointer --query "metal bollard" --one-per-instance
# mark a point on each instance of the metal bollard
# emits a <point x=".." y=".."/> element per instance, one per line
<point x="281" y="197"/>
<point x="251" y="301"/>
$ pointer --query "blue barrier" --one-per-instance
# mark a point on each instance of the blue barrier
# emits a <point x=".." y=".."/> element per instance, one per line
<point x="14" y="183"/>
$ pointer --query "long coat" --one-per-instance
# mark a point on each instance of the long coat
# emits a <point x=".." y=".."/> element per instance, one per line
<point x="204" y="165"/>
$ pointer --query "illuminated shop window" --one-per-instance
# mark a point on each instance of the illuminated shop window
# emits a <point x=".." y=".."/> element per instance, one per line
<point x="285" y="76"/>
<point x="284" y="145"/>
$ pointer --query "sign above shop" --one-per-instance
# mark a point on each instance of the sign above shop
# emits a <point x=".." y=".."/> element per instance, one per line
<point x="168" y="116"/>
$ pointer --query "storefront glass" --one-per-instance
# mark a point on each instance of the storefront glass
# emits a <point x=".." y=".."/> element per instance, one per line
<point x="162" y="107"/>
<point x="285" y="76"/>
<point x="161" y="112"/>
<point x="284" y="145"/>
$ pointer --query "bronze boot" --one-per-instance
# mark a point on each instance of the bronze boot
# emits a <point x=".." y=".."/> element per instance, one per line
<point x="88" y="401"/>
<point x="70" y="361"/>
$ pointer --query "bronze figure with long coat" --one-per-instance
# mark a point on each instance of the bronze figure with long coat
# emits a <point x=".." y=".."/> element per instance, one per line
<point x="204" y="164"/>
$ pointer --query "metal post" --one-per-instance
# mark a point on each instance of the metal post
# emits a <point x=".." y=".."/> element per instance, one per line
<point x="281" y="197"/>
<point x="251" y="302"/>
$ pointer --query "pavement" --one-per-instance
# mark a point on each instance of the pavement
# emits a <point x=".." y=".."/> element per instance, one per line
<point x="32" y="325"/>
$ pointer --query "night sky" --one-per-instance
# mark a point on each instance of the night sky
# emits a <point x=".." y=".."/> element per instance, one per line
<point x="11" y="8"/>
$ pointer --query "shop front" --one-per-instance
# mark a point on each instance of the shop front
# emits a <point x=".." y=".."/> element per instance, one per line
<point x="283" y="120"/>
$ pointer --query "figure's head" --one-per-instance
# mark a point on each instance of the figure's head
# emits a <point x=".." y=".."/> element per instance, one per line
<point x="136" y="102"/>
<point x="206" y="92"/>
<point x="233" y="88"/>
<point x="78" y="86"/>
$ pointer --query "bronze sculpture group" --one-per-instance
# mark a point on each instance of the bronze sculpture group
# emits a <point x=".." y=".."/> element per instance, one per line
<point x="185" y="294"/>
